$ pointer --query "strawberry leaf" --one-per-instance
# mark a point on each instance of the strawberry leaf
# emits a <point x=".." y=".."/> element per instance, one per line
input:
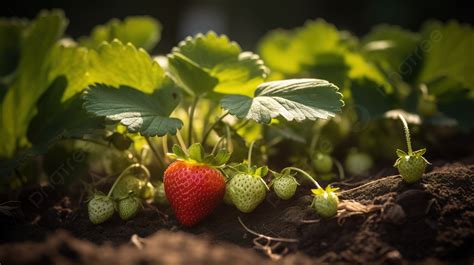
<point x="56" y="120"/>
<point x="294" y="99"/>
<point x="117" y="64"/>
<point x="141" y="31"/>
<point x="210" y="63"/>
<point x="37" y="42"/>
<point x="191" y="75"/>
<point x="140" y="112"/>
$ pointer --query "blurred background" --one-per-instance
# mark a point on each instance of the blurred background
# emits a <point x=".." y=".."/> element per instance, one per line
<point x="245" y="21"/>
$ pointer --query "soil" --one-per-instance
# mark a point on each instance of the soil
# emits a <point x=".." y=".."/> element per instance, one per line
<point x="430" y="222"/>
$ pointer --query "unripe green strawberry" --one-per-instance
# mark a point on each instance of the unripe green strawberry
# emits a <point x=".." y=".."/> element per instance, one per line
<point x="126" y="185"/>
<point x="128" y="207"/>
<point x="160" y="195"/>
<point x="247" y="191"/>
<point x="100" y="208"/>
<point x="358" y="163"/>
<point x="325" y="202"/>
<point x="285" y="186"/>
<point x="147" y="192"/>
<point x="322" y="163"/>
<point x="411" y="167"/>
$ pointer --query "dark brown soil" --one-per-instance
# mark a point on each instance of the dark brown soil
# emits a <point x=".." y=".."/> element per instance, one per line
<point x="431" y="222"/>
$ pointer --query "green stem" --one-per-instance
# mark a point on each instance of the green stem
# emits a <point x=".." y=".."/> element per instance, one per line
<point x="249" y="156"/>
<point x="340" y="169"/>
<point x="214" y="149"/>
<point x="407" y="134"/>
<point x="165" y="144"/>
<point x="191" y="119"/>
<point x="147" y="173"/>
<point x="242" y="125"/>
<point x="308" y="176"/>
<point x="156" y="153"/>
<point x="209" y="130"/>
<point x="181" y="142"/>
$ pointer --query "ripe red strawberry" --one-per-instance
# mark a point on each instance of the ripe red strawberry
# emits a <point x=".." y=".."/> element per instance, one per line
<point x="193" y="184"/>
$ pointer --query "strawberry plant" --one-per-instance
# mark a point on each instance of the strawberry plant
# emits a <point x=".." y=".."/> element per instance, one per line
<point x="105" y="92"/>
<point x="411" y="165"/>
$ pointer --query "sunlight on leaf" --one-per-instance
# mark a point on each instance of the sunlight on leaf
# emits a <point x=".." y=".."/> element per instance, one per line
<point x="294" y="99"/>
<point x="142" y="31"/>
<point x="18" y="106"/>
<point x="140" y="112"/>
<point x="211" y="63"/>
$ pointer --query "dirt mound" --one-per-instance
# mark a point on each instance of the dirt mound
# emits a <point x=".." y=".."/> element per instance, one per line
<point x="431" y="222"/>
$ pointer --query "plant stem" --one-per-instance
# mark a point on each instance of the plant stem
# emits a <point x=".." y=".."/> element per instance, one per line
<point x="249" y="156"/>
<point x="340" y="169"/>
<point x="165" y="144"/>
<point x="181" y="142"/>
<point x="209" y="130"/>
<point x="191" y="119"/>
<point x="308" y="176"/>
<point x="242" y="125"/>
<point x="214" y="149"/>
<point x="407" y="134"/>
<point x="156" y="153"/>
<point x="136" y="165"/>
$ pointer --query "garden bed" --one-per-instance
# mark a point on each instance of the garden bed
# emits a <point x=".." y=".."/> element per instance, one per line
<point x="431" y="222"/>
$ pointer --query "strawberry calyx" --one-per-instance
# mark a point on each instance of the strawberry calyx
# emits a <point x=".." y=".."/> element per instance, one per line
<point x="283" y="174"/>
<point x="195" y="154"/>
<point x="254" y="171"/>
<point x="324" y="192"/>
<point x="407" y="156"/>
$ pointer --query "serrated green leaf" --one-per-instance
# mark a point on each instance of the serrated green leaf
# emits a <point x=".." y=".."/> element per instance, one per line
<point x="401" y="153"/>
<point x="361" y="68"/>
<point x="287" y="51"/>
<point x="140" y="112"/>
<point x="210" y="63"/>
<point x="446" y="48"/>
<point x="319" y="49"/>
<point x="191" y="76"/>
<point x="10" y="41"/>
<point x="241" y="75"/>
<point x="208" y="50"/>
<point x="371" y="98"/>
<point x="73" y="64"/>
<point x="178" y="151"/>
<point x="294" y="99"/>
<point x="278" y="50"/>
<point x="390" y="46"/>
<point x="56" y="120"/>
<point x="329" y="66"/>
<point x="117" y="64"/>
<point x="18" y="106"/>
<point x="196" y="152"/>
<point x="141" y="31"/>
